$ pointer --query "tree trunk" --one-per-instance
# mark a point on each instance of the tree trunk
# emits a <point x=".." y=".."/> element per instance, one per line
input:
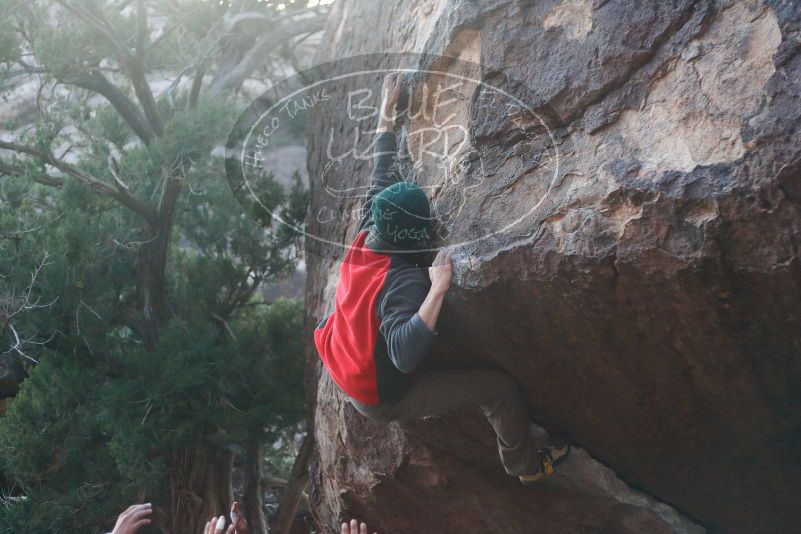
<point x="200" y="487"/>
<point x="252" y="505"/>
<point x="151" y="262"/>
<point x="294" y="489"/>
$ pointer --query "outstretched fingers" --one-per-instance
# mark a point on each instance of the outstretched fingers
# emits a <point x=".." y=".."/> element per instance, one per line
<point x="391" y="81"/>
<point x="390" y="91"/>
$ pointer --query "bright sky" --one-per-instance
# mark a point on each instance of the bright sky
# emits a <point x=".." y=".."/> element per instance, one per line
<point x="282" y="5"/>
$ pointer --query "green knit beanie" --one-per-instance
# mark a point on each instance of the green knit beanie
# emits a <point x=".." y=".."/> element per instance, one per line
<point x="401" y="215"/>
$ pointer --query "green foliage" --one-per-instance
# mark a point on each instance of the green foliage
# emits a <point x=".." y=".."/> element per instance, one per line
<point x="86" y="439"/>
<point x="69" y="51"/>
<point x="9" y="49"/>
<point x="108" y="125"/>
<point x="94" y="425"/>
<point x="115" y="409"/>
<point x="51" y="441"/>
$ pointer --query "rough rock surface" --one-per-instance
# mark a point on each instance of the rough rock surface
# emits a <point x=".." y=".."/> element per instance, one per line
<point x="647" y="301"/>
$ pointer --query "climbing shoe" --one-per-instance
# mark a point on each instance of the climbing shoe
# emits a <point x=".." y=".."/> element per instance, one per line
<point x="551" y="456"/>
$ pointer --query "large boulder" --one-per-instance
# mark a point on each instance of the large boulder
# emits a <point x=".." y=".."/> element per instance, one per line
<point x="630" y="255"/>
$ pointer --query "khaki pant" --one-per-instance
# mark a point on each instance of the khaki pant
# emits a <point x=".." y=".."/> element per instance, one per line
<point x="440" y="392"/>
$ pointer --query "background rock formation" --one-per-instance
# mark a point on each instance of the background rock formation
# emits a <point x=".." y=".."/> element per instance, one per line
<point x="649" y="306"/>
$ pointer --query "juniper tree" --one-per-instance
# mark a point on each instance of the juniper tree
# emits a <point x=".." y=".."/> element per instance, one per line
<point x="130" y="276"/>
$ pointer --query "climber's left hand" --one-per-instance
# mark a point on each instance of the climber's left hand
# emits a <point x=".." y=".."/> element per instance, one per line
<point x="390" y="91"/>
<point x="390" y="94"/>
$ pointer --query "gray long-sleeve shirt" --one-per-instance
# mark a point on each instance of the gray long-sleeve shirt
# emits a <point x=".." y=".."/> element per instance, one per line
<point x="408" y="337"/>
<point x="395" y="285"/>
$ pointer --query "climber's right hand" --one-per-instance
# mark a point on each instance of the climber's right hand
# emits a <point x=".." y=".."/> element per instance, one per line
<point x="441" y="271"/>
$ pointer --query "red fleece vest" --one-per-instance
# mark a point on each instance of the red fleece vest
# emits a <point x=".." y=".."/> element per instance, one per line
<point x="346" y="343"/>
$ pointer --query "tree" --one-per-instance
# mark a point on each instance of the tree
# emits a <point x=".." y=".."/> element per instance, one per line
<point x="130" y="274"/>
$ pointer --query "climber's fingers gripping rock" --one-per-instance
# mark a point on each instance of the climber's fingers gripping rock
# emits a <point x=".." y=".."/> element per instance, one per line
<point x="390" y="89"/>
<point x="390" y="94"/>
<point x="441" y="271"/>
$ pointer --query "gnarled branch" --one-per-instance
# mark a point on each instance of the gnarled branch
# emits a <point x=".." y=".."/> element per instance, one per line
<point x="255" y="56"/>
<point x="96" y="184"/>
<point x="132" y="63"/>
<point x="127" y="109"/>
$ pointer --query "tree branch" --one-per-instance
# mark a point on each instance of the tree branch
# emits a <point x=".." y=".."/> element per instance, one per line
<point x="197" y="84"/>
<point x="96" y="82"/>
<point x="96" y="184"/>
<point x="126" y="107"/>
<point x="165" y="33"/>
<point x="105" y="31"/>
<point x="14" y="305"/>
<point x="133" y="64"/>
<point x="46" y="179"/>
<point x="255" y="56"/>
<point x="141" y="27"/>
<point x="297" y="481"/>
<point x="136" y="70"/>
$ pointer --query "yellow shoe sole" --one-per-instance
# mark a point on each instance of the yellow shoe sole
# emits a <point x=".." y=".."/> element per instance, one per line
<point x="547" y="466"/>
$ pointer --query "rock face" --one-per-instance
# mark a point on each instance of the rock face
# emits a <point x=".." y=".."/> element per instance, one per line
<point x="631" y="257"/>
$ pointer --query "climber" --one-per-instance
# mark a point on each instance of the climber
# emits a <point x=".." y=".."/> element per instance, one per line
<point x="385" y="314"/>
